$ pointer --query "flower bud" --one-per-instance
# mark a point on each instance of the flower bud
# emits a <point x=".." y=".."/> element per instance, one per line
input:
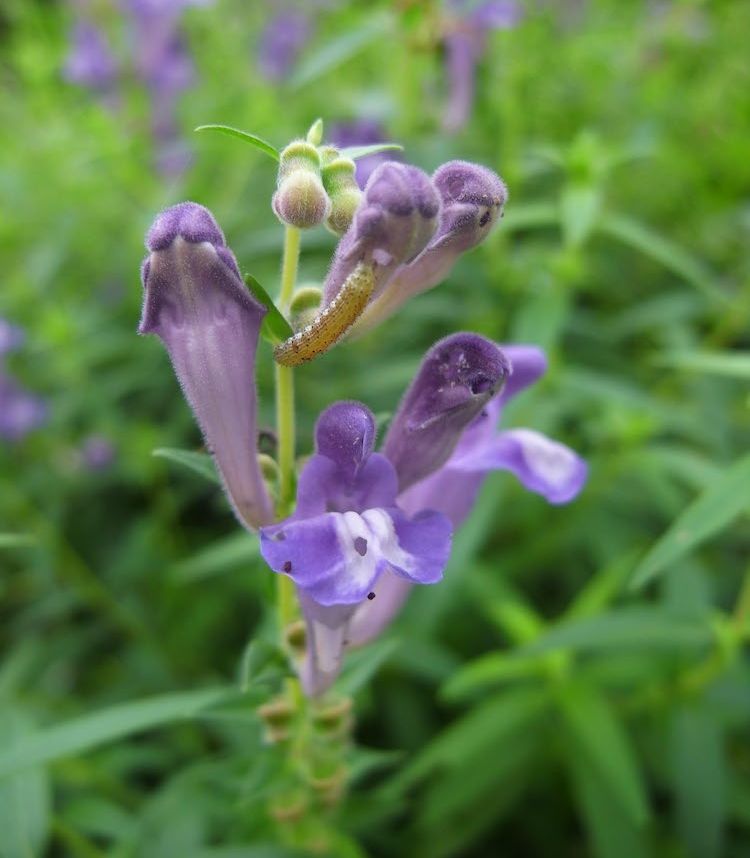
<point x="472" y="199"/>
<point x="392" y="225"/>
<point x="304" y="306"/>
<point x="300" y="199"/>
<point x="340" y="183"/>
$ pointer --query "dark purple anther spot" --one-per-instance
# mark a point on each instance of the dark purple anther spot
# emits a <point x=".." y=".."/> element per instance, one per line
<point x="371" y="596"/>
<point x="280" y="536"/>
<point x="484" y="219"/>
<point x="360" y="546"/>
<point x="287" y="567"/>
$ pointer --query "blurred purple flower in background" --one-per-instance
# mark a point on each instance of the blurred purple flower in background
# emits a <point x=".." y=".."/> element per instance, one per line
<point x="20" y="411"/>
<point x="90" y="61"/>
<point x="159" y="58"/>
<point x="97" y="453"/>
<point x="464" y="43"/>
<point x="362" y="132"/>
<point x="280" y="43"/>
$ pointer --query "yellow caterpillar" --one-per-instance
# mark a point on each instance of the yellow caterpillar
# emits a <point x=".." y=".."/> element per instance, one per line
<point x="332" y="323"/>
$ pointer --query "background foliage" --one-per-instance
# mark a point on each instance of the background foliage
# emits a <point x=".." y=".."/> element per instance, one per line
<point x="535" y="703"/>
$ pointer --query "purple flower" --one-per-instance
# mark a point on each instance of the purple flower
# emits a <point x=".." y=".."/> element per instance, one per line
<point x="197" y="304"/>
<point x="392" y="225"/>
<point x="280" y="43"/>
<point x="20" y="411"/>
<point x="472" y="198"/>
<point x="362" y="132"/>
<point x="11" y="337"/>
<point x="348" y="531"/>
<point x="464" y="44"/>
<point x="97" y="453"/>
<point x="542" y="465"/>
<point x="90" y="61"/>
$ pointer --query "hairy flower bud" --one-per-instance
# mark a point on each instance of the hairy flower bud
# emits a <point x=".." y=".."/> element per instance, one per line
<point x="340" y="183"/>
<point x="393" y="223"/>
<point x="300" y="199"/>
<point x="304" y="306"/>
<point x="472" y="199"/>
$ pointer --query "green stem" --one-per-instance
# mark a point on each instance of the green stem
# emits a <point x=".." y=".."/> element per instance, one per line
<point x="285" y="428"/>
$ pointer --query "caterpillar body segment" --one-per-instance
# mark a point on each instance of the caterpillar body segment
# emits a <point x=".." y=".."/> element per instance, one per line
<point x="332" y="322"/>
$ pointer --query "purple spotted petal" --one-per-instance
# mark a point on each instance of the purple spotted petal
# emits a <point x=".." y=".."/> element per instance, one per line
<point x="336" y="558"/>
<point x="457" y="378"/>
<point x="372" y="616"/>
<point x="197" y="304"/>
<point x="543" y="466"/>
<point x="472" y="198"/>
<point x="392" y="225"/>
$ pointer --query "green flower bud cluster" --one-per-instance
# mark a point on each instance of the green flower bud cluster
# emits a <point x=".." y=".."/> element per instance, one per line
<point x="316" y="184"/>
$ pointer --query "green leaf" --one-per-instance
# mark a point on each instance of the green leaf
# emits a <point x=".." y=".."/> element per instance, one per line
<point x="699" y="779"/>
<point x="16" y="540"/>
<point x="361" y="665"/>
<point x="275" y="327"/>
<point x="579" y="211"/>
<point x="24" y="798"/>
<point x="483" y="729"/>
<point x="529" y="216"/>
<point x="341" y="49"/>
<point x="245" y="136"/>
<point x="729" y="364"/>
<point x="491" y="669"/>
<point x="224" y="555"/>
<point x="635" y="627"/>
<point x="724" y="499"/>
<point x="611" y="832"/>
<point x="597" y="734"/>
<point x="199" y="463"/>
<point x="355" y="152"/>
<point x="89" y="731"/>
<point x="663" y="251"/>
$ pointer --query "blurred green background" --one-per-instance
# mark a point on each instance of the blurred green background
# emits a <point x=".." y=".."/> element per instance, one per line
<point x="535" y="703"/>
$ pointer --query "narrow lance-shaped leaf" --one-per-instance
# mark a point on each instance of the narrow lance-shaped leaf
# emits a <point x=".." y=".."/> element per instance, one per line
<point x="713" y="510"/>
<point x="253" y="139"/>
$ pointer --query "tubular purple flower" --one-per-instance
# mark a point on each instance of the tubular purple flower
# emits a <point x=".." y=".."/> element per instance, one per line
<point x="457" y="378"/>
<point x="196" y="302"/>
<point x="394" y="222"/>
<point x="346" y="533"/>
<point x="542" y="465"/>
<point x="472" y="198"/>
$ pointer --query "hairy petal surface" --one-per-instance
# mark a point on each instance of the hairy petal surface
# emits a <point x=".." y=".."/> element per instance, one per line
<point x="392" y="225"/>
<point x="457" y="378"/>
<point x="472" y="198"/>
<point x="198" y="305"/>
